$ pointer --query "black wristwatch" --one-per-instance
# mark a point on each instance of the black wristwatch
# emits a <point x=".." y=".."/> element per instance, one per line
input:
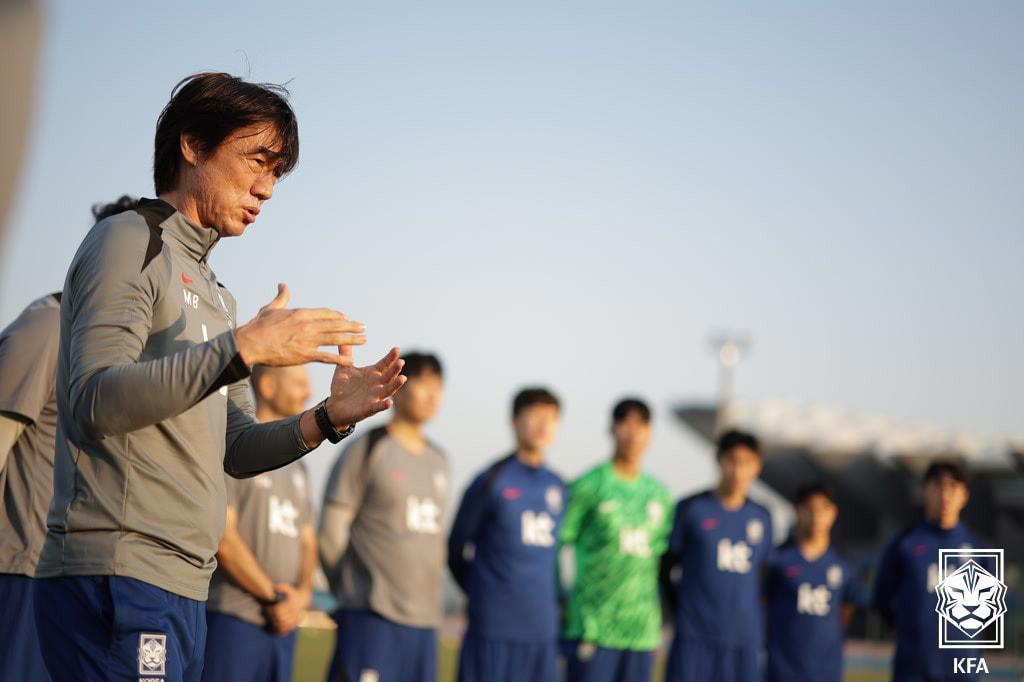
<point x="326" y="427"/>
<point x="278" y="598"/>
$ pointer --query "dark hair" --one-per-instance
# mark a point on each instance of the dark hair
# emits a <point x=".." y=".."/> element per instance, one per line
<point x="946" y="467"/>
<point x="122" y="204"/>
<point x="211" y="106"/>
<point x="534" y="395"/>
<point x="419" y="363"/>
<point x="734" y="439"/>
<point x="625" y="406"/>
<point x="808" y="490"/>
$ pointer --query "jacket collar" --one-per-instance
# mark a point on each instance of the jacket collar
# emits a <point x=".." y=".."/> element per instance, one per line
<point x="197" y="241"/>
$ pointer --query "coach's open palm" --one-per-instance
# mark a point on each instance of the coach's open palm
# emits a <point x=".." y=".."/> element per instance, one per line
<point x="360" y="392"/>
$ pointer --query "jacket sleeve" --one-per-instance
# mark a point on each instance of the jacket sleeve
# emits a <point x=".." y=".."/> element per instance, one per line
<point x="112" y="290"/>
<point x="252" y="448"/>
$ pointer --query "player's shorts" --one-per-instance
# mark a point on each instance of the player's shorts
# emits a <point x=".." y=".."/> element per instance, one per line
<point x="587" y="662"/>
<point x="692" y="660"/>
<point x="237" y="651"/>
<point x="373" y="649"/>
<point x="20" y="657"/>
<point x="490" y="660"/>
<point x="118" y="628"/>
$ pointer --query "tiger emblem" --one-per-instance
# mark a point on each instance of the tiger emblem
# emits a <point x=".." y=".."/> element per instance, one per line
<point x="971" y="598"/>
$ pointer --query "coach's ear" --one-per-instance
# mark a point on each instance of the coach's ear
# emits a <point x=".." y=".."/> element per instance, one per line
<point x="189" y="149"/>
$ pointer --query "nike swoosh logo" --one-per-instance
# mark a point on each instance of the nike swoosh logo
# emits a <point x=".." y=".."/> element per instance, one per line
<point x="185" y="280"/>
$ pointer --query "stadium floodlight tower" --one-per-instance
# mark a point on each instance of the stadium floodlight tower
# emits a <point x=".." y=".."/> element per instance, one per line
<point x="730" y="347"/>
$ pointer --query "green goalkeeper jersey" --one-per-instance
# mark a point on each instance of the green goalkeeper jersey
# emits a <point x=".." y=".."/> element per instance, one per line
<point x="619" y="529"/>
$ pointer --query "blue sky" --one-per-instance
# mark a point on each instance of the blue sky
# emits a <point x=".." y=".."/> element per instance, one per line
<point x="579" y="193"/>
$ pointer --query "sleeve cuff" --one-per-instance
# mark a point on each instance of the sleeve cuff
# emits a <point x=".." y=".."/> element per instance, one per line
<point x="300" y="442"/>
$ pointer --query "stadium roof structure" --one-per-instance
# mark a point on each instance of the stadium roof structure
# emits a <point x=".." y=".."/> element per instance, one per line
<point x="874" y="464"/>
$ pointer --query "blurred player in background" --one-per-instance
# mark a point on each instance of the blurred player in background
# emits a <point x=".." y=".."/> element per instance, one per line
<point x="381" y="540"/>
<point x="501" y="552"/>
<point x="909" y="570"/>
<point x="810" y="594"/>
<point x="617" y="525"/>
<point x="153" y="402"/>
<point x="28" y="428"/>
<point x="721" y="540"/>
<point x="264" y="579"/>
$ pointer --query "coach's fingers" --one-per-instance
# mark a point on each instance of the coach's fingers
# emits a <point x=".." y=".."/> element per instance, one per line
<point x="390" y="357"/>
<point x="281" y="300"/>
<point x="394" y="370"/>
<point x="392" y="386"/>
<point x="321" y="314"/>
<point x="326" y="358"/>
<point x="340" y="340"/>
<point x="335" y="324"/>
<point x="383" y="405"/>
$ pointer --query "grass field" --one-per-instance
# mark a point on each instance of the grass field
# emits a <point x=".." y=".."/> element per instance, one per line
<point x="315" y="647"/>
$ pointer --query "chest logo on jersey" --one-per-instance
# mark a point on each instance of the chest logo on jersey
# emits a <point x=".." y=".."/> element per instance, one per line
<point x="422" y="515"/>
<point x="813" y="601"/>
<point x="635" y="542"/>
<point x="971" y="599"/>
<point x="834" y="576"/>
<point x="734" y="557"/>
<point x="553" y="498"/>
<point x="755" y="531"/>
<point x="538" y="529"/>
<point x="152" y="654"/>
<point x="608" y="506"/>
<point x="282" y="518"/>
<point x="655" y="512"/>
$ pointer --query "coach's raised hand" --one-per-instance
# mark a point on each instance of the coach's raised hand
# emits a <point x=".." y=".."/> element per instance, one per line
<point x="360" y="392"/>
<point x="280" y="336"/>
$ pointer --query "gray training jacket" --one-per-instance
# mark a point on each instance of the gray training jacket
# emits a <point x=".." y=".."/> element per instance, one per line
<point x="153" y="407"/>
